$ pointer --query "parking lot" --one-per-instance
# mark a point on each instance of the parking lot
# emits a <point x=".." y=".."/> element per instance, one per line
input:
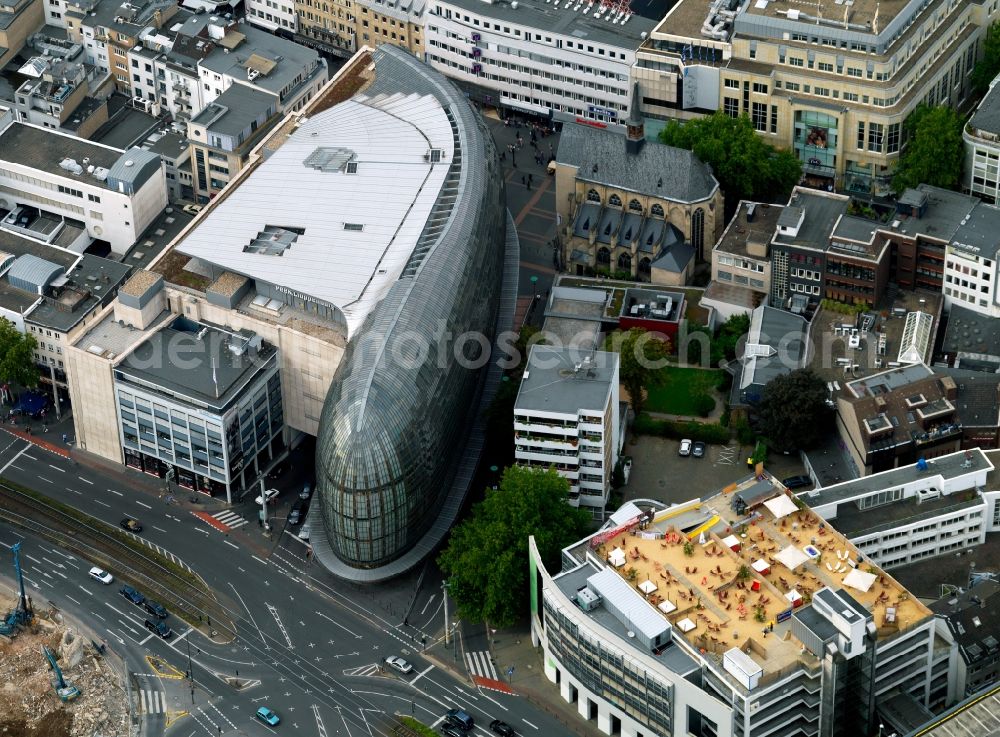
<point x="658" y="472"/>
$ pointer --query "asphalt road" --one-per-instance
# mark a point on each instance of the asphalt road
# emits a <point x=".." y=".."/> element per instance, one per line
<point x="306" y="647"/>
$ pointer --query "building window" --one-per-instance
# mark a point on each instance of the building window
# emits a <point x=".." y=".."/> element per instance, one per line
<point x="760" y="88"/>
<point x="892" y="140"/>
<point x="731" y="107"/>
<point x="759" y="116"/>
<point x="698" y="231"/>
<point x="875" y="131"/>
<point x="861" y="136"/>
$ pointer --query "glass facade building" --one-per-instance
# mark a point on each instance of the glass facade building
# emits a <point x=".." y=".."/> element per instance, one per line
<point x="397" y="412"/>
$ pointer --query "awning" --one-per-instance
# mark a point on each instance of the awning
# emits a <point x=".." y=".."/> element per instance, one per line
<point x="761" y="566"/>
<point x="860" y="580"/>
<point x="781" y="506"/>
<point x="732" y="542"/>
<point x="791" y="557"/>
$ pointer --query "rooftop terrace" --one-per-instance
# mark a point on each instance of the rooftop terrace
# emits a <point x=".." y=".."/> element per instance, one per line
<point x="718" y="582"/>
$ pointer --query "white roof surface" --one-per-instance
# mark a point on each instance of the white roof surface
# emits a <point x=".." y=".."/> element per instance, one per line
<point x="791" y="557"/>
<point x="860" y="580"/>
<point x="391" y="196"/>
<point x="781" y="506"/>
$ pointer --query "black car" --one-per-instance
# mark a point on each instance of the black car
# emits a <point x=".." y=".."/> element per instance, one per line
<point x="155" y="608"/>
<point x="797" y="482"/>
<point x="502" y="728"/>
<point x="460" y="719"/>
<point x="130" y="524"/>
<point x="159" y="627"/>
<point x="132" y="595"/>
<point x="450" y="730"/>
<point x="698" y="449"/>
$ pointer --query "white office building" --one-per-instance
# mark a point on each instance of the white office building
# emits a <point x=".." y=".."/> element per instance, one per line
<point x="934" y="507"/>
<point x="972" y="263"/>
<point x="272" y="15"/>
<point x="566" y="58"/>
<point x="47" y="177"/>
<point x="982" y="148"/>
<point x="567" y="416"/>
<point x="717" y="619"/>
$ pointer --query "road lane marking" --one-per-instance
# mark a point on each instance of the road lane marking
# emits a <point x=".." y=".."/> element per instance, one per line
<point x="73" y="600"/>
<point x="528" y="723"/>
<point x="160" y="529"/>
<point x="98" y="501"/>
<point x="202" y="529"/>
<point x="232" y="545"/>
<point x="49" y="481"/>
<point x="86" y="481"/>
<point x="116" y="492"/>
<point x="333" y="621"/>
<point x="148" y="638"/>
<point x="28" y="455"/>
<point x="274" y="613"/>
<point x="11" y="461"/>
<point x="422" y="674"/>
<point x="266" y="646"/>
<point x="258" y="559"/>
<point x="142" y="504"/>
<point x="88" y="592"/>
<point x="60" y="470"/>
<point x="428" y="603"/>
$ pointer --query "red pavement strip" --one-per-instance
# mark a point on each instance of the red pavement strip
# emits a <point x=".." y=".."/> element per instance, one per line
<point x="51" y="447"/>
<point x="212" y="521"/>
<point x="493" y="685"/>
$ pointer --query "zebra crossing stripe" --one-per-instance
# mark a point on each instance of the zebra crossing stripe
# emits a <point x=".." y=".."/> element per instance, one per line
<point x="152" y="702"/>
<point x="230" y="519"/>
<point x="480" y="664"/>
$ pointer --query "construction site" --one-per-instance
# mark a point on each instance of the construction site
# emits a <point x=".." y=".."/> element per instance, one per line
<point x="57" y="681"/>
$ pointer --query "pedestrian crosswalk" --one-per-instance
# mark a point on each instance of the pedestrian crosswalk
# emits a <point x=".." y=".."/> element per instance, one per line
<point x="363" y="670"/>
<point x="481" y="664"/>
<point x="153" y="702"/>
<point x="230" y="519"/>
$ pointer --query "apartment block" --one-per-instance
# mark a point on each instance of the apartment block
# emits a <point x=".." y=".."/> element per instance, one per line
<point x="721" y="616"/>
<point x="272" y="15"/>
<point x="833" y="84"/>
<point x="982" y="148"/>
<point x="396" y="22"/>
<point x="567" y="416"/>
<point x="222" y="135"/>
<point x="967" y="620"/>
<point x="47" y="178"/>
<point x="328" y="25"/>
<point x="18" y="20"/>
<point x="57" y="95"/>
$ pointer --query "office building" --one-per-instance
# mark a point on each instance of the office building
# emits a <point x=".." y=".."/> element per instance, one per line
<point x="251" y="264"/>
<point x="568" y="61"/>
<point x="972" y="263"/>
<point x="328" y="26"/>
<point x="633" y="207"/>
<point x="222" y="135"/>
<point x="777" y="344"/>
<point x="982" y="148"/>
<point x="272" y="15"/>
<point x="920" y="510"/>
<point x="833" y="83"/>
<point x="727" y="616"/>
<point x="567" y="416"/>
<point x="49" y="177"/>
<point x="396" y="22"/>
<point x="175" y="153"/>
<point x="971" y="340"/>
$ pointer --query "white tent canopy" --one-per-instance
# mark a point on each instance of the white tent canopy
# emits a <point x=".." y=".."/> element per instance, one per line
<point x="666" y="606"/>
<point x="781" y="506"/>
<point x="685" y="625"/>
<point x="791" y="557"/>
<point x="617" y="557"/>
<point x="860" y="580"/>
<point x="647" y="587"/>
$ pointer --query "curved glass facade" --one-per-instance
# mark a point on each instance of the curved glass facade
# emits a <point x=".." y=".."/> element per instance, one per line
<point x="397" y="411"/>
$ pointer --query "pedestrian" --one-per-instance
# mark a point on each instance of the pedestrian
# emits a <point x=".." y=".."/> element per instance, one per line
<point x="503" y="156"/>
<point x="522" y="180"/>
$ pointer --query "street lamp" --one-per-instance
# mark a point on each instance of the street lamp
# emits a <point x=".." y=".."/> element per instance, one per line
<point x="534" y="283"/>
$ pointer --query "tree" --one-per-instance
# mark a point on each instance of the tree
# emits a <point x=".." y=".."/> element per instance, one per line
<point x="17" y="356"/>
<point x="746" y="166"/>
<point x="641" y="356"/>
<point x="486" y="559"/>
<point x="987" y="68"/>
<point x="729" y="336"/>
<point x="934" y="150"/>
<point x="793" y="410"/>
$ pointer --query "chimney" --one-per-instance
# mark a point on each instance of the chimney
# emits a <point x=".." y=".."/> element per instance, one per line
<point x="949" y="388"/>
<point x="635" y="130"/>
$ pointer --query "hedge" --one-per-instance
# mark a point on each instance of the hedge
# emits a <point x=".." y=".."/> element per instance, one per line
<point x="708" y="433"/>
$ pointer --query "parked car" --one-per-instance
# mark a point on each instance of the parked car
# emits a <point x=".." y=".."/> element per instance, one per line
<point x="797" y="482"/>
<point x="155" y="608"/>
<point x="132" y="525"/>
<point x="132" y="595"/>
<point x="268" y="495"/>
<point x="307" y="491"/>
<point x="685" y="449"/>
<point x="450" y="730"/>
<point x="304" y="533"/>
<point x="460" y="719"/>
<point x="99" y="574"/>
<point x="394" y="661"/>
<point x="193" y="209"/>
<point x="268" y="717"/>
<point x="502" y="728"/>
<point x="698" y="449"/>
<point x="159" y="627"/>
<point x="295" y="515"/>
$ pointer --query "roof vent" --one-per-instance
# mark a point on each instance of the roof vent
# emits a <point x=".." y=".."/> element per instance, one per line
<point x="129" y="162"/>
